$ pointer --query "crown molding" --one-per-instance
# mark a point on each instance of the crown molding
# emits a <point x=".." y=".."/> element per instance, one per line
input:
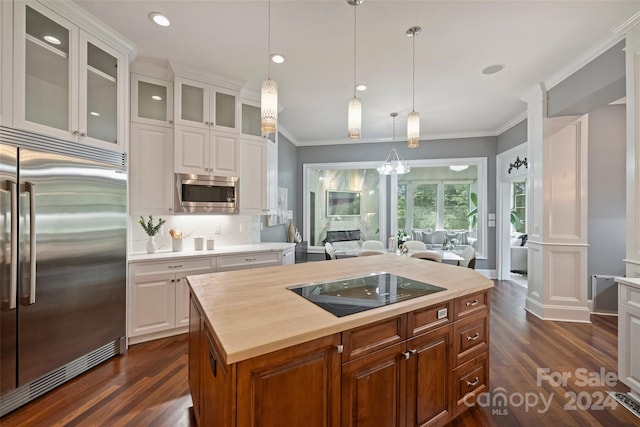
<point x="92" y="25"/>
<point x="511" y="123"/>
<point x="615" y="35"/>
<point x="185" y="70"/>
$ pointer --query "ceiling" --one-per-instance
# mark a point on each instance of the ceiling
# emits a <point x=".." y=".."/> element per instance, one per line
<point x="534" y="40"/>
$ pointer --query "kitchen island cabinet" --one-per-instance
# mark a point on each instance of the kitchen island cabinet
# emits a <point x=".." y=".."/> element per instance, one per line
<point x="262" y="353"/>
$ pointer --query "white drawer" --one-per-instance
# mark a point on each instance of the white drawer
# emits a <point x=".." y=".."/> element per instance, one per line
<point x="249" y="260"/>
<point x="174" y="266"/>
<point x="629" y="296"/>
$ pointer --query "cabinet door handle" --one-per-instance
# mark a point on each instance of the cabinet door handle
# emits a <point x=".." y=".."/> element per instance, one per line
<point x="474" y="382"/>
<point x="175" y="266"/>
<point x="249" y="259"/>
<point x="177" y="280"/>
<point x="76" y="132"/>
<point x="213" y="363"/>
<point x="474" y="302"/>
<point x="473" y="338"/>
<point x="340" y="348"/>
<point x="407" y="354"/>
<point x="83" y="134"/>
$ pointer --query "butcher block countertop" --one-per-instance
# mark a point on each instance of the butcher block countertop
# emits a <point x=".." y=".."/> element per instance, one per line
<point x="251" y="312"/>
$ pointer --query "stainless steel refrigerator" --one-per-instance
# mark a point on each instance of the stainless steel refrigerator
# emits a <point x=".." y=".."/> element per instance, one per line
<point x="63" y="215"/>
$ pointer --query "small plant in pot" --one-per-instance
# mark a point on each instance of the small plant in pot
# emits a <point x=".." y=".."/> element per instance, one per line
<point x="151" y="231"/>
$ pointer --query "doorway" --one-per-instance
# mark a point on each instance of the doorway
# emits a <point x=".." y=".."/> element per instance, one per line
<point x="511" y="228"/>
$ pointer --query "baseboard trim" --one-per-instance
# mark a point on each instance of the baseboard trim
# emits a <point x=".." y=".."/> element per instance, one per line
<point x="558" y="313"/>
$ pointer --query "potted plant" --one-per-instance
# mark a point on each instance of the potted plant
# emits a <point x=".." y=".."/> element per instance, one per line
<point x="151" y="231"/>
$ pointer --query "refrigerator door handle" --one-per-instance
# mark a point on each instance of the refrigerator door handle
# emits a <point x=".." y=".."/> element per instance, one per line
<point x="13" y="287"/>
<point x="31" y="189"/>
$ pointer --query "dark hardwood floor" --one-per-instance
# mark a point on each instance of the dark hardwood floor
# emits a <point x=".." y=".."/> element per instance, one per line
<point x="148" y="385"/>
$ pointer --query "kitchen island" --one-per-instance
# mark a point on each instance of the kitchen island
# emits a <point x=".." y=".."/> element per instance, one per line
<point x="260" y="354"/>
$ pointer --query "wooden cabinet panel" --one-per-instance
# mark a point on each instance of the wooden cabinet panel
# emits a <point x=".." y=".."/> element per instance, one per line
<point x="471" y="337"/>
<point x="218" y="389"/>
<point x="430" y="398"/>
<point x="294" y="387"/>
<point x="195" y="334"/>
<point x="426" y="319"/>
<point x="470" y="304"/>
<point x="367" y="339"/>
<point x="469" y="380"/>
<point x="374" y="389"/>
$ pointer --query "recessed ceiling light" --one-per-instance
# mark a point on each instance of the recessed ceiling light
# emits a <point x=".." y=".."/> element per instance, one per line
<point x="159" y="19"/>
<point x="361" y="87"/>
<point x="93" y="113"/>
<point x="156" y="98"/>
<point x="52" y="40"/>
<point x="493" y="69"/>
<point x="278" y="58"/>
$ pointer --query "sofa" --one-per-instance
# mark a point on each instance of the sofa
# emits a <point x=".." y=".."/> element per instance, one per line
<point x="438" y="239"/>
<point x="519" y="252"/>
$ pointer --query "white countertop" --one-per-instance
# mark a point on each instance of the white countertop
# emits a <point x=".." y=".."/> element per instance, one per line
<point x="222" y="250"/>
<point x="630" y="281"/>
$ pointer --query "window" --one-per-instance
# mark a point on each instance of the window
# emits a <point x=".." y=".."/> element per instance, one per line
<point x="433" y="196"/>
<point x="519" y="206"/>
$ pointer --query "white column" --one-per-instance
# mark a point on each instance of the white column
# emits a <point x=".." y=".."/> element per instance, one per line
<point x="633" y="152"/>
<point x="557" y="227"/>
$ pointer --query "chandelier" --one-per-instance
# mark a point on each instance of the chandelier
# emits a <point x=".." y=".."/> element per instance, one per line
<point x="394" y="164"/>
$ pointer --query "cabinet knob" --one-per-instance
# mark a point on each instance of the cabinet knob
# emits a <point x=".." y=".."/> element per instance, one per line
<point x="340" y="348"/>
<point x="83" y="134"/>
<point x="474" y="302"/>
<point x="76" y="132"/>
<point x="170" y="122"/>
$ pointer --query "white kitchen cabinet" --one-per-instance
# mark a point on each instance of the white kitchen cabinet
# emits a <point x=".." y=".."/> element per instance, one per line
<point x="258" y="177"/>
<point x="289" y="256"/>
<point x="159" y="296"/>
<point x="243" y="261"/>
<point x="150" y="170"/>
<point x="206" y="106"/>
<point x="203" y="152"/>
<point x="629" y="334"/>
<point x="68" y="83"/>
<point x="151" y="100"/>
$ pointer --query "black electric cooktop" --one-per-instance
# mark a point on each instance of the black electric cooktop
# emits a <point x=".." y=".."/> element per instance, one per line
<point x="351" y="295"/>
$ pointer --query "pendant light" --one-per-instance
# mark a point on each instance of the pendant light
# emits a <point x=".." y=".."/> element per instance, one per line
<point x="354" y="121"/>
<point x="269" y="96"/>
<point x="413" y="121"/>
<point x="394" y="164"/>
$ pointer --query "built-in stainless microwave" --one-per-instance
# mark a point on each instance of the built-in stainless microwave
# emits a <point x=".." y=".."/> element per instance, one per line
<point x="206" y="194"/>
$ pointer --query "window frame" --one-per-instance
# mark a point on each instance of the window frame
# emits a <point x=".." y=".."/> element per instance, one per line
<point x="481" y="190"/>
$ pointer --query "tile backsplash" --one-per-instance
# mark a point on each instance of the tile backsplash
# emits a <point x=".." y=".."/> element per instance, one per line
<point x="225" y="229"/>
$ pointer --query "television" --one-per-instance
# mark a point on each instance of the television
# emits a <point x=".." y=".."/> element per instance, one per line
<point x="343" y="203"/>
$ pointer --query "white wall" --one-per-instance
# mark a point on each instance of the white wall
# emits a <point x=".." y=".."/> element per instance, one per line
<point x="607" y="192"/>
<point x="233" y="230"/>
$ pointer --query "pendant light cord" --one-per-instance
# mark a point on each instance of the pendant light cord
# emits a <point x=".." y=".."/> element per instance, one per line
<point x="413" y="80"/>
<point x="355" y="8"/>
<point x="269" y="41"/>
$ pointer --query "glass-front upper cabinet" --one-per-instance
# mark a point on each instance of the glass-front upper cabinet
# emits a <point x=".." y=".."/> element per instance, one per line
<point x="67" y="84"/>
<point x="206" y="106"/>
<point x="151" y="100"/>
<point x="251" y="122"/>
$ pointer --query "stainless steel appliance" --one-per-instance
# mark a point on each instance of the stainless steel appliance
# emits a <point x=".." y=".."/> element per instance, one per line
<point x="63" y="263"/>
<point x="206" y="194"/>
<point x="351" y="295"/>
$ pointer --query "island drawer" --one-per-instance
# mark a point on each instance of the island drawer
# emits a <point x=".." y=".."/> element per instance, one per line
<point x="470" y="337"/>
<point x="470" y="304"/>
<point x="367" y="339"/>
<point x="248" y="260"/>
<point x="429" y="318"/>
<point x="470" y="378"/>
